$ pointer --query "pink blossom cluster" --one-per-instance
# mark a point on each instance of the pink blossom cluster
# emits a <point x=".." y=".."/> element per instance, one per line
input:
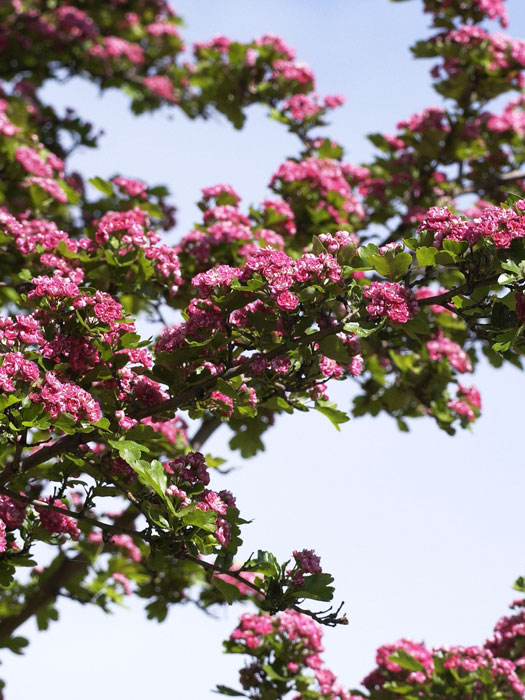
<point x="471" y="659"/>
<point x="217" y="43"/>
<point x="509" y="635"/>
<point x="75" y="23"/>
<point x="306" y="562"/>
<point x="252" y="628"/>
<point x="20" y="330"/>
<point x="135" y="188"/>
<point x="33" y="162"/>
<point x="385" y="666"/>
<point x="161" y="86"/>
<point x="493" y="9"/>
<point x="499" y="225"/>
<point x="221" y="403"/>
<point x="434" y="118"/>
<point x="326" y="175"/>
<point x="216" y="191"/>
<point x="59" y="397"/>
<point x="57" y="523"/>
<point x="12" y="512"/>
<point x="303" y="107"/>
<point x="162" y="29"/>
<point x="390" y="299"/>
<point x="190" y="471"/>
<point x="468" y="400"/>
<point x="511" y="119"/>
<point x="3" y="538"/>
<point x="506" y="51"/>
<point x="277" y="43"/>
<point x="28" y="233"/>
<point x="124" y="581"/>
<point x="131" y="223"/>
<point x="50" y="186"/>
<point x="334" y="242"/>
<point x="16" y="367"/>
<point x="442" y="346"/>
<point x="172" y="428"/>
<point x="286" y="224"/>
<point x="114" y="47"/>
<point x="293" y="71"/>
<point x="7" y="128"/>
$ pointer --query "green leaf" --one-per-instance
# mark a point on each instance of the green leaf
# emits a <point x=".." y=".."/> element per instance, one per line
<point x="102" y="185"/>
<point x="330" y="410"/>
<point x="225" y="690"/>
<point x="205" y="520"/>
<point x="406" y="660"/>
<point x="426" y="255"/>
<point x="230" y="592"/>
<point x="317" y="587"/>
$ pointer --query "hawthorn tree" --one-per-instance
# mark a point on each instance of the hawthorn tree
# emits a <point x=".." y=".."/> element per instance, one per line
<point x="377" y="274"/>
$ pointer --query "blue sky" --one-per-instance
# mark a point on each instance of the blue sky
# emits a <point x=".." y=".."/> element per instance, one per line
<point x="423" y="532"/>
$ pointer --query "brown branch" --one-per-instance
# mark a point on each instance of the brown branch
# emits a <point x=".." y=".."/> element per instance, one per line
<point x="44" y="505"/>
<point x="68" y="569"/>
<point x="468" y="287"/>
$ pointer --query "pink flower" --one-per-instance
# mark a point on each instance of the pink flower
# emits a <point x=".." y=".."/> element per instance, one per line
<point x="287" y="301"/>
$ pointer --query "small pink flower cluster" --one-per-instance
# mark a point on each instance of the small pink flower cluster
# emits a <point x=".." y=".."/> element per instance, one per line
<point x="124" y="581"/>
<point x="16" y="367"/>
<point x="303" y="107"/>
<point x="277" y="43"/>
<point x="3" y="538"/>
<point x="512" y="118"/>
<point x="28" y="233"/>
<point x="22" y="330"/>
<point x="58" y="523"/>
<point x="500" y="225"/>
<point x="326" y="175"/>
<point x="441" y="346"/>
<point x="385" y="667"/>
<point x="434" y="118"/>
<point x="471" y="659"/>
<point x="217" y="43"/>
<point x="293" y="71"/>
<point x="135" y="188"/>
<point x="221" y="404"/>
<point x="50" y="186"/>
<point x="12" y="512"/>
<point x="493" y="9"/>
<point x="334" y="242"/>
<point x="215" y="191"/>
<point x="507" y="52"/>
<point x="60" y="397"/>
<point x="161" y="86"/>
<point x="306" y="562"/>
<point x="468" y="399"/>
<point x="75" y="23"/>
<point x="7" y="128"/>
<point x="190" y="471"/>
<point x="218" y="277"/>
<point x="282" y="209"/>
<point x="116" y="47"/>
<point x="509" y="635"/>
<point x="252" y="628"/>
<point x="33" y="163"/>
<point x="390" y="299"/>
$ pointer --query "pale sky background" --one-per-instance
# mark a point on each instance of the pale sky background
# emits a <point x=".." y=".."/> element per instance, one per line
<point x="423" y="532"/>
